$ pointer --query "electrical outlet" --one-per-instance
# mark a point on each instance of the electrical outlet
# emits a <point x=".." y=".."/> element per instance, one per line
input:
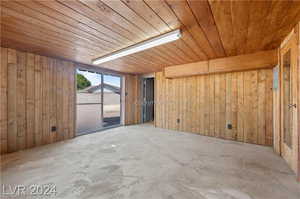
<point x="53" y="128"/>
<point x="229" y="126"/>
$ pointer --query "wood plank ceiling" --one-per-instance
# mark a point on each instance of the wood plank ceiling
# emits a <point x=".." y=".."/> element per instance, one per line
<point x="80" y="30"/>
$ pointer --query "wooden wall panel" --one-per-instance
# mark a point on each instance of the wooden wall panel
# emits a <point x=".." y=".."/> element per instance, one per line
<point x="52" y="98"/>
<point x="276" y="113"/>
<point x="65" y="116"/>
<point x="253" y="61"/>
<point x="45" y="100"/>
<point x="21" y="97"/>
<point x="72" y="114"/>
<point x="3" y="100"/>
<point x="59" y="101"/>
<point x="298" y="38"/>
<point x="206" y="104"/>
<point x="38" y="101"/>
<point x="132" y="100"/>
<point x="250" y="107"/>
<point x="30" y="90"/>
<point x="12" y="101"/>
<point x="240" y="107"/>
<point x="269" y="107"/>
<point x="40" y="94"/>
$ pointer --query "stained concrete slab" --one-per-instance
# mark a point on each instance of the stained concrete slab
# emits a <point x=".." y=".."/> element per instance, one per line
<point x="146" y="162"/>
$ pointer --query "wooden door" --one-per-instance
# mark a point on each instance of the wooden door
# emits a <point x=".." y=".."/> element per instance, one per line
<point x="289" y="131"/>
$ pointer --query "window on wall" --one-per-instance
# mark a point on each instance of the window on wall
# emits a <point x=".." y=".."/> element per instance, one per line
<point x="89" y="102"/>
<point x="98" y="101"/>
<point x="287" y="99"/>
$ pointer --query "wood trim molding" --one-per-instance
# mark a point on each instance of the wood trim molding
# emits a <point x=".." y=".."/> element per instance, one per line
<point x="259" y="60"/>
<point x="287" y="38"/>
<point x="298" y="84"/>
<point x="98" y="69"/>
<point x="196" y="68"/>
<point x="264" y="59"/>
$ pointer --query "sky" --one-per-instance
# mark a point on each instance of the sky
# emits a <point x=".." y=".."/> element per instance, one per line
<point x="95" y="78"/>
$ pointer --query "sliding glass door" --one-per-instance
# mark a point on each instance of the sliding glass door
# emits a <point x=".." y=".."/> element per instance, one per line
<point x="111" y="100"/>
<point x="98" y="101"/>
<point x="89" y="102"/>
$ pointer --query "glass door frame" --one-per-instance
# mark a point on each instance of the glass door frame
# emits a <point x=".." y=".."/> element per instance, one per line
<point x="289" y="153"/>
<point x="121" y="94"/>
<point x="102" y="73"/>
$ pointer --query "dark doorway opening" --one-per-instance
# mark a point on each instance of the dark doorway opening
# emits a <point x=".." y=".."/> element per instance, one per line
<point x="148" y="100"/>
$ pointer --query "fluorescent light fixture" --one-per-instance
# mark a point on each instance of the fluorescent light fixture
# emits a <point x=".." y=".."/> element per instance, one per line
<point x="162" y="39"/>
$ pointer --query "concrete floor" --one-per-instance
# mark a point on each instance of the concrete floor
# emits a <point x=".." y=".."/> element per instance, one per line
<point x="146" y="162"/>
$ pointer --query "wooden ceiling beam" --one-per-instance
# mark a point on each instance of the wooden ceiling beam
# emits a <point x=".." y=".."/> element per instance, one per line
<point x="131" y="16"/>
<point x="260" y="24"/>
<point x="84" y="29"/>
<point x="144" y="10"/>
<point x="185" y="15"/>
<point x="240" y="21"/>
<point x="162" y="9"/>
<point x="205" y="18"/>
<point x="37" y="19"/>
<point x="116" y="30"/>
<point x="259" y="60"/>
<point x="105" y="11"/>
<point x="185" y="70"/>
<point x="47" y="35"/>
<point x="223" y="19"/>
<point x="13" y="35"/>
<point x="276" y="15"/>
<point x="150" y="23"/>
<point x="76" y="26"/>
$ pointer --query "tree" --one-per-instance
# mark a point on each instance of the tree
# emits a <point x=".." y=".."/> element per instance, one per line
<point x="82" y="82"/>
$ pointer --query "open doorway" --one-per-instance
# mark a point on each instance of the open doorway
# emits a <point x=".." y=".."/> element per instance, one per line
<point x="98" y="101"/>
<point x="148" y="100"/>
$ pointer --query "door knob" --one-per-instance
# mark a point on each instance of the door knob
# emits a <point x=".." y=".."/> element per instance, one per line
<point x="292" y="105"/>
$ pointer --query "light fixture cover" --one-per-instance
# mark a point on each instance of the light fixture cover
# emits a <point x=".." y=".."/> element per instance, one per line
<point x="162" y="39"/>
